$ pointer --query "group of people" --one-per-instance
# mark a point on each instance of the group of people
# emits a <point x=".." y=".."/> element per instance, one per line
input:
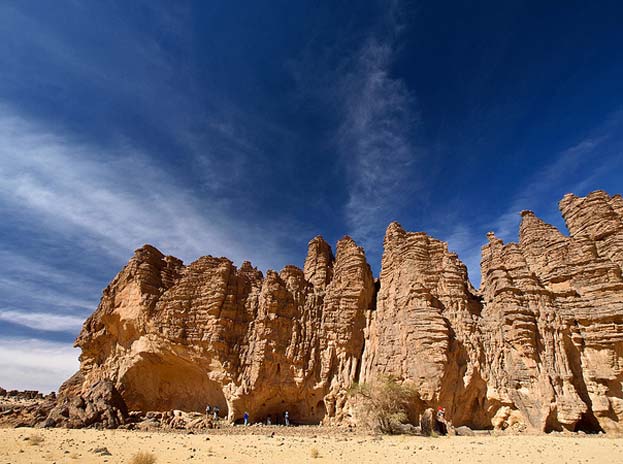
<point x="212" y="412"/>
<point x="440" y="421"/>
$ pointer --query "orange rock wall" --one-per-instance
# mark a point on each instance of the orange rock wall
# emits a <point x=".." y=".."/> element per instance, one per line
<point x="539" y="345"/>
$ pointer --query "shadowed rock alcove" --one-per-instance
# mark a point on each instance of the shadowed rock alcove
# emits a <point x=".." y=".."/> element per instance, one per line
<point x="160" y="384"/>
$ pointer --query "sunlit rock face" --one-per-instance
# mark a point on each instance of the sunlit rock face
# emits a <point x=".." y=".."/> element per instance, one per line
<point x="552" y="325"/>
<point x="539" y="345"/>
<point x="425" y="327"/>
<point x="182" y="337"/>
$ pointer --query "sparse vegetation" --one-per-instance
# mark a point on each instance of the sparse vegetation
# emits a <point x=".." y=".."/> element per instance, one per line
<point x="36" y="439"/>
<point x="314" y="453"/>
<point x="143" y="457"/>
<point x="383" y="404"/>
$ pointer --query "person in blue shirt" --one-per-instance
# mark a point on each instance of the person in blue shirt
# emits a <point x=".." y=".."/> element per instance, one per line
<point x="246" y="418"/>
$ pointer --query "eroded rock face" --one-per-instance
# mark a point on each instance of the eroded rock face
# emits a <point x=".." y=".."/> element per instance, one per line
<point x="425" y="327"/>
<point x="101" y="405"/>
<point x="553" y="319"/>
<point x="347" y="304"/>
<point x="170" y="336"/>
<point x="540" y="345"/>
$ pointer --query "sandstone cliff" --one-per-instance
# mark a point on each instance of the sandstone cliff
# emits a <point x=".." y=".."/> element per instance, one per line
<point x="540" y="345"/>
<point x="552" y="319"/>
<point x="171" y="336"/>
<point x="425" y="327"/>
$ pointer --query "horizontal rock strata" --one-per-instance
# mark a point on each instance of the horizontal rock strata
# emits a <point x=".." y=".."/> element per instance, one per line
<point x="540" y="345"/>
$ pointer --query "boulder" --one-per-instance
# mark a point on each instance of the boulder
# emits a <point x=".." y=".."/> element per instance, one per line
<point x="84" y="405"/>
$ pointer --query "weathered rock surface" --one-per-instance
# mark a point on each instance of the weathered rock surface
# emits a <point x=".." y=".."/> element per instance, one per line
<point x="100" y="405"/>
<point x="170" y="336"/>
<point x="540" y="345"/>
<point x="425" y="327"/>
<point x="552" y="325"/>
<point x="21" y="394"/>
<point x="24" y="408"/>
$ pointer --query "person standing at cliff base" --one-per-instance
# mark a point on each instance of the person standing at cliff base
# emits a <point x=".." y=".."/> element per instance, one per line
<point x="246" y="418"/>
<point x="286" y="419"/>
<point x="441" y="424"/>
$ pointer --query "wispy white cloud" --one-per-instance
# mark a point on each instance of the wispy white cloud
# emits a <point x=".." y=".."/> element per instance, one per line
<point x="573" y="170"/>
<point x="103" y="203"/>
<point x="35" y="364"/>
<point x="376" y="142"/>
<point x="29" y="281"/>
<point x="49" y="322"/>
<point x="577" y="169"/>
<point x="24" y="266"/>
<point x="144" y="73"/>
<point x="115" y="202"/>
<point x="62" y="297"/>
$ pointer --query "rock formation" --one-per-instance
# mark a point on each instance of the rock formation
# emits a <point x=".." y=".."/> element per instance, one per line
<point x="170" y="336"/>
<point x="100" y="405"/>
<point x="24" y="408"/>
<point x="540" y="345"/>
<point x="552" y="321"/>
<point x="425" y="327"/>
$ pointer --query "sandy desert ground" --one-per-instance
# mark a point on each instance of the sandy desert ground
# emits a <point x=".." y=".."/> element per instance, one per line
<point x="60" y="446"/>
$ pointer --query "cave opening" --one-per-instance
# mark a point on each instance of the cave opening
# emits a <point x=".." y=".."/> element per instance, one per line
<point x="588" y="423"/>
<point x="299" y="413"/>
<point x="164" y="383"/>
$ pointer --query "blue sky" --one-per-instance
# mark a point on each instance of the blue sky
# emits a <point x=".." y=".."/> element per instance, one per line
<point x="243" y="129"/>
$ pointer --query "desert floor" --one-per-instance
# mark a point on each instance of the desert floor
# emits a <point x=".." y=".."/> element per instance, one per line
<point x="58" y="446"/>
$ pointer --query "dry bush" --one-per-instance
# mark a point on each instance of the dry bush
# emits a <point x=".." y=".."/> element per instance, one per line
<point x="143" y="457"/>
<point x="35" y="439"/>
<point x="314" y="453"/>
<point x="383" y="404"/>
